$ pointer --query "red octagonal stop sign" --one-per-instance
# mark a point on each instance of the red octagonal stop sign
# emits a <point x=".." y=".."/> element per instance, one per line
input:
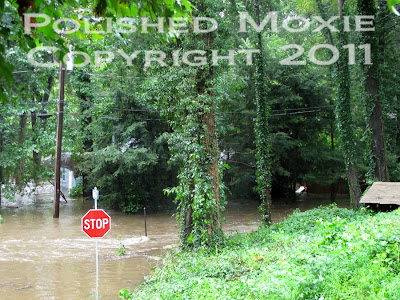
<point x="96" y="223"/>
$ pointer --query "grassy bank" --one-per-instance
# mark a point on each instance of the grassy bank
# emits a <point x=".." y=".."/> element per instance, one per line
<point x="325" y="253"/>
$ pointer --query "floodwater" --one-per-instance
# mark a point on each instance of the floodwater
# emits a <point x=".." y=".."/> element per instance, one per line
<point x="46" y="258"/>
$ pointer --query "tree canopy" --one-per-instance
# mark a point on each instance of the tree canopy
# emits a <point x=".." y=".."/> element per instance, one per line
<point x="215" y="105"/>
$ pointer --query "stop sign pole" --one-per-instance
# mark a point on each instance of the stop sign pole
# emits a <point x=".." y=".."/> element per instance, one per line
<point x="95" y="224"/>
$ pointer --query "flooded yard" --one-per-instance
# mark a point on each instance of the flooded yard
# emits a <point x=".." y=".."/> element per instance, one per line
<point x="46" y="258"/>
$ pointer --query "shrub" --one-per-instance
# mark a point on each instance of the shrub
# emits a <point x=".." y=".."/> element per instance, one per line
<point x="77" y="190"/>
<point x="325" y="253"/>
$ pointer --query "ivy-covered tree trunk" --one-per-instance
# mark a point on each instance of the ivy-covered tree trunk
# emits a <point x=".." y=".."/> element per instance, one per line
<point x="332" y="140"/>
<point x="344" y="117"/>
<point x="262" y="130"/>
<point x="198" y="193"/>
<point x="372" y="87"/>
<point x="211" y="148"/>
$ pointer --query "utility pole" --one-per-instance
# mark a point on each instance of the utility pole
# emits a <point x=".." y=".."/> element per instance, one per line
<point x="60" y="120"/>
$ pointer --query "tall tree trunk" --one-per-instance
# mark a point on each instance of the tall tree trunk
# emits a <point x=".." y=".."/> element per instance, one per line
<point x="372" y="88"/>
<point x="188" y="223"/>
<point x="354" y="184"/>
<point x="262" y="129"/>
<point x="200" y="216"/>
<point x="329" y="37"/>
<point x="45" y="100"/>
<point x="37" y="157"/>
<point x="86" y="104"/>
<point x="211" y="144"/>
<point x="35" y="152"/>
<point x="332" y="136"/>
<point x="21" y="142"/>
<point x="344" y="117"/>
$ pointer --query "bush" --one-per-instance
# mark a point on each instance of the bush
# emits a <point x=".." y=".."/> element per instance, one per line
<point x="324" y="253"/>
<point x="77" y="190"/>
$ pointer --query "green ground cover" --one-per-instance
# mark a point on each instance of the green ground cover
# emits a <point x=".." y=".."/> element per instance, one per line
<point x="324" y="253"/>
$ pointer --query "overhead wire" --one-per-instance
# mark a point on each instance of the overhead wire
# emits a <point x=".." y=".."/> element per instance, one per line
<point x="113" y="75"/>
<point x="297" y="109"/>
<point x="79" y="71"/>
<point x="286" y="111"/>
<point x="105" y="116"/>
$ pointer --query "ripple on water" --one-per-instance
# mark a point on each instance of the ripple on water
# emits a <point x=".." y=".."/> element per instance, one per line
<point x="59" y="258"/>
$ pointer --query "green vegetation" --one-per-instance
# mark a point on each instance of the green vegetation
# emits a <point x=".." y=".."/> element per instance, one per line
<point x="324" y="253"/>
<point x="207" y="127"/>
<point x="77" y="189"/>
<point x="121" y="248"/>
<point x="204" y="133"/>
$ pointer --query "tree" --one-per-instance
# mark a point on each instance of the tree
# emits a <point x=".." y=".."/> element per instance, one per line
<point x="343" y="112"/>
<point x="343" y="108"/>
<point x="85" y="95"/>
<point x="57" y="10"/>
<point x="263" y="147"/>
<point x="373" y="87"/>
<point x="189" y="97"/>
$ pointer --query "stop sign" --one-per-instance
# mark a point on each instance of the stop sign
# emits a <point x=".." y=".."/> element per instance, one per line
<point x="96" y="223"/>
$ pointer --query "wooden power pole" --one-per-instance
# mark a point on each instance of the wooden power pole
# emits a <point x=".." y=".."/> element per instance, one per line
<point x="60" y="120"/>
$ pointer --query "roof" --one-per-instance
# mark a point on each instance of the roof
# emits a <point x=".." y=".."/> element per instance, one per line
<point x="382" y="193"/>
<point x="66" y="161"/>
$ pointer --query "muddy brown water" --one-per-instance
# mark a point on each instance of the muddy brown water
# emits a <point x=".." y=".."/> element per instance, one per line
<point x="46" y="258"/>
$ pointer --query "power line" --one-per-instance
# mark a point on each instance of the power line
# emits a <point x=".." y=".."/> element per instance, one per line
<point x="113" y="75"/>
<point x="292" y="110"/>
<point x="279" y="110"/>
<point x="86" y="115"/>
<point x="149" y="119"/>
<point x="302" y="108"/>
<point x="295" y="113"/>
<point x="33" y="71"/>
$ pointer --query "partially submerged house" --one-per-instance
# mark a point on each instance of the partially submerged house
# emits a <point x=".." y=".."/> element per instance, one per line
<point x="383" y="196"/>
<point x="68" y="169"/>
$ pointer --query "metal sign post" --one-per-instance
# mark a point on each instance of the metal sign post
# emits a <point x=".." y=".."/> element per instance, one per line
<point x="95" y="194"/>
<point x="95" y="224"/>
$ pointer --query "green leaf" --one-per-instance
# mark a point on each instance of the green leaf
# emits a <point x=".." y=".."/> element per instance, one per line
<point x="134" y="10"/>
<point x="190" y="238"/>
<point x="391" y="4"/>
<point x="3" y="97"/>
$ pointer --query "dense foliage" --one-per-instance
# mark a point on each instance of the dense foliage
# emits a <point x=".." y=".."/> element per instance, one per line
<point x="324" y="253"/>
<point x="146" y="134"/>
<point x="192" y="135"/>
